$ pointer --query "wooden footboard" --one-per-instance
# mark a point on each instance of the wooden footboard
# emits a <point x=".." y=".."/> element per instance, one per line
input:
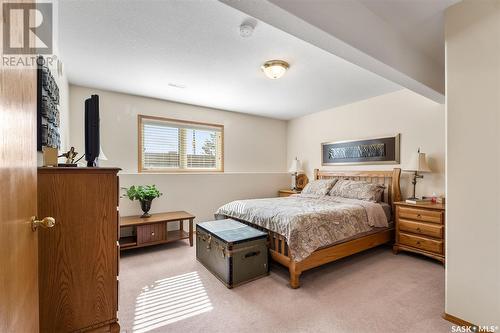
<point x="338" y="251"/>
<point x="278" y="249"/>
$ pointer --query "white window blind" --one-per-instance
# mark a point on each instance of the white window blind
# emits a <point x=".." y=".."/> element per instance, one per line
<point x="169" y="145"/>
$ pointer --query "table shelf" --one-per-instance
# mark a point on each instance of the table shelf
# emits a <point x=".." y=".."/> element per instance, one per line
<point x="154" y="230"/>
<point x="177" y="235"/>
<point x="127" y="241"/>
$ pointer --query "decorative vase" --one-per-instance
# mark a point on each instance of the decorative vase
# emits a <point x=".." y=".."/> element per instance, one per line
<point x="146" y="206"/>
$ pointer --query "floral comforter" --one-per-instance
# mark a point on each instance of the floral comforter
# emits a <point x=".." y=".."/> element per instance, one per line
<point x="308" y="222"/>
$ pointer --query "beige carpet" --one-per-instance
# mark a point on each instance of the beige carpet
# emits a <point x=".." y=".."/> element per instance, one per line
<point x="164" y="289"/>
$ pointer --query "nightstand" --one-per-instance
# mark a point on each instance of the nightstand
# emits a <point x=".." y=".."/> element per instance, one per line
<point x="420" y="229"/>
<point x="287" y="192"/>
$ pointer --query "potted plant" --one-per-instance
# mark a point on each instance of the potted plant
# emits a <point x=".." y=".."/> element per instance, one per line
<point x="145" y="194"/>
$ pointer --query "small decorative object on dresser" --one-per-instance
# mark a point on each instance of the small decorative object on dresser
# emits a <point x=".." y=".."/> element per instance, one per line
<point x="145" y="194"/>
<point x="287" y="193"/>
<point x="301" y="182"/>
<point x="295" y="169"/>
<point x="420" y="229"/>
<point x="49" y="156"/>
<point x="418" y="165"/>
<point x="70" y="156"/>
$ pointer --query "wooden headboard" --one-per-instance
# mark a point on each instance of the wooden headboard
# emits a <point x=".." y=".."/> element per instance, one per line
<point x="390" y="179"/>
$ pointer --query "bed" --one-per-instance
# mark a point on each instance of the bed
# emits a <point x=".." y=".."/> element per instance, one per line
<point x="300" y="251"/>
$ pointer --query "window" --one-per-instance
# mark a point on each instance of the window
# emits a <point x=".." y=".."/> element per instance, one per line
<point x="168" y="145"/>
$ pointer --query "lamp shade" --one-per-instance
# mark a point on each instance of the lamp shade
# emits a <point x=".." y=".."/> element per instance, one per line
<point x="418" y="163"/>
<point x="295" y="166"/>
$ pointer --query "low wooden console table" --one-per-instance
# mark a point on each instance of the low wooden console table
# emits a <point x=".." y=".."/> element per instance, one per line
<point x="153" y="230"/>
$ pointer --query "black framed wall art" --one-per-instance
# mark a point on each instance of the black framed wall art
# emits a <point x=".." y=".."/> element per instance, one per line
<point x="47" y="108"/>
<point x="384" y="150"/>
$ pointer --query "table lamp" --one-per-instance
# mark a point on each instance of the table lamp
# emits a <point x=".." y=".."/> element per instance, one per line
<point x="295" y="169"/>
<point x="418" y="165"/>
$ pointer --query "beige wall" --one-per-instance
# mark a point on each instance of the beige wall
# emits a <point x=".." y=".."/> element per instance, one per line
<point x="62" y="83"/>
<point x="63" y="111"/>
<point x="420" y="121"/>
<point x="251" y="144"/>
<point x="202" y="194"/>
<point x="254" y="152"/>
<point x="473" y="161"/>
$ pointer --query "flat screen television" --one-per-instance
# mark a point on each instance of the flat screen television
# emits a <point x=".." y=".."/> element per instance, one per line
<point x="92" y="144"/>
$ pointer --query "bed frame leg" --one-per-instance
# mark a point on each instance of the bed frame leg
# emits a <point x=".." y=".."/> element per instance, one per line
<point x="294" y="276"/>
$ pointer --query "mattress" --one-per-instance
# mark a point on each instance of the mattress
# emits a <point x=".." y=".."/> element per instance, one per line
<point x="310" y="222"/>
<point x="387" y="211"/>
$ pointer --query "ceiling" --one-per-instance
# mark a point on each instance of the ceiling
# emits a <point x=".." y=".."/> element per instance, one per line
<point x="191" y="52"/>
<point x="420" y="22"/>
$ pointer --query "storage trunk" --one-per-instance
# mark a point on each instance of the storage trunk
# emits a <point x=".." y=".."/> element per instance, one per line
<point x="234" y="252"/>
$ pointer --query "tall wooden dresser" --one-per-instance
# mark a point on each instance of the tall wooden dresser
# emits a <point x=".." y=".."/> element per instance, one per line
<point x="78" y="257"/>
<point x="420" y="229"/>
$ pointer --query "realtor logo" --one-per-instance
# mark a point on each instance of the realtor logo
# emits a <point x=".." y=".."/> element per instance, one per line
<point x="32" y="22"/>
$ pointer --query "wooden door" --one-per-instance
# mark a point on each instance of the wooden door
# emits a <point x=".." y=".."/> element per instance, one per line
<point x="18" y="185"/>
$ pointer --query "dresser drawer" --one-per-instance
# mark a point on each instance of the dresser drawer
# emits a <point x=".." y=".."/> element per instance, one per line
<point x="150" y="233"/>
<point x="420" y="228"/>
<point x="422" y="243"/>
<point x="421" y="215"/>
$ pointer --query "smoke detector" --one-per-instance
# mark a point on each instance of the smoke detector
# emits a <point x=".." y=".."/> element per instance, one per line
<point x="247" y="28"/>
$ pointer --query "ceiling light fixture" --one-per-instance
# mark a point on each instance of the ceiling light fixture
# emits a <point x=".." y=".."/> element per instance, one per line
<point x="274" y="69"/>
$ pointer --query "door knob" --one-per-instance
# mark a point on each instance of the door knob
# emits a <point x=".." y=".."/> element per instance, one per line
<point x="47" y="222"/>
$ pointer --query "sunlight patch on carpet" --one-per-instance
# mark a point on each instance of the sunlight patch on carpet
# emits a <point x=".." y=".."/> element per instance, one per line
<point x="170" y="300"/>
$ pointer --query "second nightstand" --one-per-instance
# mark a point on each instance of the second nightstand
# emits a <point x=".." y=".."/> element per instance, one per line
<point x="420" y="229"/>
<point x="287" y="192"/>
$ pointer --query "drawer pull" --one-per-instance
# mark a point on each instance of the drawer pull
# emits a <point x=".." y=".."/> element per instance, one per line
<point x="153" y="233"/>
<point x="426" y="244"/>
<point x="421" y="215"/>
<point x="416" y="227"/>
